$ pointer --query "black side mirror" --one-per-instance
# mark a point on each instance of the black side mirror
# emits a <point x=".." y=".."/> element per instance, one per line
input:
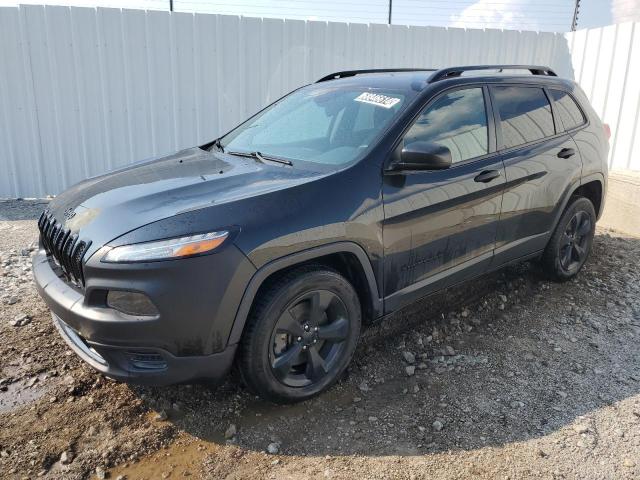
<point x="423" y="156"/>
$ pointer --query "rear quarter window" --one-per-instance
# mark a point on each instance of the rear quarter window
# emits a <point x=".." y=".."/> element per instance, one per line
<point x="570" y="114"/>
<point x="525" y="114"/>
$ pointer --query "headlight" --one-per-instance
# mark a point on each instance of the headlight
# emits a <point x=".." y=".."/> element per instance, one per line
<point x="166" y="249"/>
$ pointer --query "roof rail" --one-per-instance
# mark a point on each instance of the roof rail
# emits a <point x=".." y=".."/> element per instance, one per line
<point x="457" y="71"/>
<point x="352" y="73"/>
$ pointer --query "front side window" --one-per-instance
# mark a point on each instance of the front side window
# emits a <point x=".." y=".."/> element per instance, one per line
<point x="570" y="114"/>
<point x="319" y="123"/>
<point x="456" y="120"/>
<point x="525" y="114"/>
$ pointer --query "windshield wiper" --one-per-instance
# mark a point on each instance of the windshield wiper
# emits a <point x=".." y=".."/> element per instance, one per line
<point x="262" y="158"/>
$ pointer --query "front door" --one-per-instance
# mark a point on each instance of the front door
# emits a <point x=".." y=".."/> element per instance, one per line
<point x="440" y="226"/>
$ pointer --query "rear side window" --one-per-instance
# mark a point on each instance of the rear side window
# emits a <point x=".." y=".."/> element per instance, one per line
<point x="457" y="120"/>
<point x="568" y="110"/>
<point x="525" y="115"/>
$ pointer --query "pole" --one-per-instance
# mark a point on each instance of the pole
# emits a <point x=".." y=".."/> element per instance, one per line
<point x="574" y="22"/>
<point x="390" y="7"/>
<point x="171" y="5"/>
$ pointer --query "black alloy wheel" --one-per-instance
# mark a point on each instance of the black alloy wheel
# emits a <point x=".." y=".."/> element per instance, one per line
<point x="573" y="249"/>
<point x="309" y="338"/>
<point x="300" y="335"/>
<point x="569" y="246"/>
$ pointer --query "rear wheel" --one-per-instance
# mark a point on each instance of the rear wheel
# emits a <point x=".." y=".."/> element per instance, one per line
<point x="301" y="335"/>
<point x="570" y="244"/>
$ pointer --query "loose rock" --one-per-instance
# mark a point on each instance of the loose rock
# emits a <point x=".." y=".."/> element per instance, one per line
<point x="409" y="357"/>
<point x="230" y="432"/>
<point x="273" y="448"/>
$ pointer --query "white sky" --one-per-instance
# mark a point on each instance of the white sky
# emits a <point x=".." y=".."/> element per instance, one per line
<point x="547" y="15"/>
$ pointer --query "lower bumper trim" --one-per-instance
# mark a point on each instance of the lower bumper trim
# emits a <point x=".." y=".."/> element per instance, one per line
<point x="133" y="365"/>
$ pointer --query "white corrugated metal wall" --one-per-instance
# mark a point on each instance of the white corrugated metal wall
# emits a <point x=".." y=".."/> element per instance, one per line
<point x="86" y="90"/>
<point x="606" y="64"/>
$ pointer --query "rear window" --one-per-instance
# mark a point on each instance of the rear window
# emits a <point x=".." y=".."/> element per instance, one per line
<point x="568" y="110"/>
<point x="525" y="115"/>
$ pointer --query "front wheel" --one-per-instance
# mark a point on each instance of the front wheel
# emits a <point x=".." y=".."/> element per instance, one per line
<point x="570" y="244"/>
<point x="300" y="335"/>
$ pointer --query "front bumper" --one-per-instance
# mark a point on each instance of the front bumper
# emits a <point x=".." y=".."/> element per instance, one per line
<point x="187" y="341"/>
<point x="145" y="366"/>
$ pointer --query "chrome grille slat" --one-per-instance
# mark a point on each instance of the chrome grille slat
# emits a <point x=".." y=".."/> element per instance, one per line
<point x="65" y="247"/>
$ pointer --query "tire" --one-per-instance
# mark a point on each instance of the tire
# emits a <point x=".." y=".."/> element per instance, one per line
<point x="283" y="357"/>
<point x="570" y="244"/>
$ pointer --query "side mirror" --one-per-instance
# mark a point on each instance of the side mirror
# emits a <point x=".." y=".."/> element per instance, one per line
<point x="423" y="156"/>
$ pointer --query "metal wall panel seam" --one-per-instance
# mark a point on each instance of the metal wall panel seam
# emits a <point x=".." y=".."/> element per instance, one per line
<point x="196" y="78"/>
<point x="610" y="73"/>
<point x="636" y="125"/>
<point x="33" y="110"/>
<point x="106" y="124"/>
<point x="150" y="91"/>
<point x="130" y="134"/>
<point x="614" y="143"/>
<point x="62" y="165"/>
<point x="172" y="68"/>
<point x="13" y="174"/>
<point x="80" y="94"/>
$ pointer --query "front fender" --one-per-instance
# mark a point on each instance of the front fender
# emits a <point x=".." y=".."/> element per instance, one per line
<point x="295" y="259"/>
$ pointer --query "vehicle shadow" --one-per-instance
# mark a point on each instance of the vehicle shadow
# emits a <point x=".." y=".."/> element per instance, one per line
<point x="505" y="358"/>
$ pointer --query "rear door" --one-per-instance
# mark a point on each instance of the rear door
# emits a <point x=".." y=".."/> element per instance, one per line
<point x="542" y="163"/>
<point x="440" y="226"/>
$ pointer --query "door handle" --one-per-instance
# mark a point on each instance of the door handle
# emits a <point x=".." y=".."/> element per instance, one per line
<point x="566" y="153"/>
<point x="487" y="176"/>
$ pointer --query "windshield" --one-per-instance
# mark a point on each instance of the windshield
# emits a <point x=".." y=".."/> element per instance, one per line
<point x="331" y="126"/>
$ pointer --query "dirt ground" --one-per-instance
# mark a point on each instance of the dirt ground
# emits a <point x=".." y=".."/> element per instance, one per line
<point x="515" y="377"/>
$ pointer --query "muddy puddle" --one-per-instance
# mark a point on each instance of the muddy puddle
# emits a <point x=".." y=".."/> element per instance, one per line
<point x="22" y="392"/>
<point x="182" y="459"/>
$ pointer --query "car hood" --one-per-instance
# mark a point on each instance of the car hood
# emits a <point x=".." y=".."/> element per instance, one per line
<point x="103" y="208"/>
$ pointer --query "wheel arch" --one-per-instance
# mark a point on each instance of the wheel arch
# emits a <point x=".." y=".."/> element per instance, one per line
<point x="348" y="258"/>
<point x="592" y="188"/>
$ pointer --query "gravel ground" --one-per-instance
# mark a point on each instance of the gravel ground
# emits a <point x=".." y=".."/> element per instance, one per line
<point x="510" y="376"/>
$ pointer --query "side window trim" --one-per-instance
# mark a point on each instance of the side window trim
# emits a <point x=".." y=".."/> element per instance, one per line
<point x="496" y="120"/>
<point x="491" y="136"/>
<point x="491" y="119"/>
<point x="558" y="127"/>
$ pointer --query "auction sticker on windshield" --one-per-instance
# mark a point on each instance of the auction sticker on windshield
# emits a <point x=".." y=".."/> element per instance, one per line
<point x="377" y="99"/>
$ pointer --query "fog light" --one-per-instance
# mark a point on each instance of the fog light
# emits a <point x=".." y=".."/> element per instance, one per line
<point x="131" y="303"/>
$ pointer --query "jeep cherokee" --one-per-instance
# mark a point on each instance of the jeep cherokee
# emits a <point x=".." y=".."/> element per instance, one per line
<point x="337" y="205"/>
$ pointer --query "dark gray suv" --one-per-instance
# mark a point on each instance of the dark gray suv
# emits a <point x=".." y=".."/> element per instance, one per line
<point x="335" y="206"/>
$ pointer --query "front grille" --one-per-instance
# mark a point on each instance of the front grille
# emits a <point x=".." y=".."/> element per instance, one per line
<point x="65" y="247"/>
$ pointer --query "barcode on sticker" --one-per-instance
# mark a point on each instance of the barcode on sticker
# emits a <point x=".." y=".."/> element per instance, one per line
<point x="377" y="99"/>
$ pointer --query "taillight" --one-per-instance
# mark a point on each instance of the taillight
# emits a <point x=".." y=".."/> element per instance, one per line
<point x="607" y="130"/>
